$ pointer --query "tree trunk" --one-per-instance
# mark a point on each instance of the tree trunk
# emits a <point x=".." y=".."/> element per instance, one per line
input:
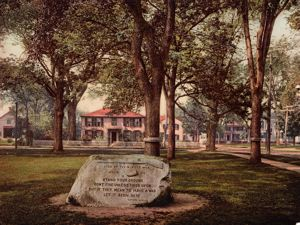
<point x="277" y="130"/>
<point x="255" y="153"/>
<point x="58" y="119"/>
<point x="72" y="119"/>
<point x="152" y="140"/>
<point x="208" y="136"/>
<point x="212" y="136"/>
<point x="170" y="89"/>
<point x="256" y="68"/>
<point x="144" y="37"/>
<point x="294" y="140"/>
<point x="171" y="127"/>
<point x="268" y="137"/>
<point x="268" y="132"/>
<point x="27" y="124"/>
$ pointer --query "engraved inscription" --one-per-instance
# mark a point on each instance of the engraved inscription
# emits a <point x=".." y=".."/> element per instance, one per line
<point x="121" y="181"/>
<point x="121" y="186"/>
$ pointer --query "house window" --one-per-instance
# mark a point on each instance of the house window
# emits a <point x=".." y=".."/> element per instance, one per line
<point x="177" y="137"/>
<point x="98" y="134"/>
<point x="114" y="121"/>
<point x="8" y="121"/>
<point x="137" y="122"/>
<point x="137" y="136"/>
<point x="94" y="122"/>
<point x="176" y="126"/>
<point x="89" y="133"/>
<point x="132" y="122"/>
<point x="126" y="122"/>
<point x="127" y="135"/>
<point x="88" y="121"/>
<point x="99" y="122"/>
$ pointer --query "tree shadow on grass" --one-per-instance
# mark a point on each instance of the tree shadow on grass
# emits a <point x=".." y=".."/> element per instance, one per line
<point x="238" y="192"/>
<point x="28" y="203"/>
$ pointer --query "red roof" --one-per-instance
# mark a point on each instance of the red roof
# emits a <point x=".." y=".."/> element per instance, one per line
<point x="107" y="113"/>
<point x="162" y="118"/>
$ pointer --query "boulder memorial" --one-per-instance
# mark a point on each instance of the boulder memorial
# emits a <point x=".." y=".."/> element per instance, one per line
<point x="122" y="181"/>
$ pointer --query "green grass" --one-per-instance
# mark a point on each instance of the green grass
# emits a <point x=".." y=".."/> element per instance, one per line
<point x="247" y="145"/>
<point x="239" y="193"/>
<point x="6" y="142"/>
<point x="282" y="147"/>
<point x="286" y="159"/>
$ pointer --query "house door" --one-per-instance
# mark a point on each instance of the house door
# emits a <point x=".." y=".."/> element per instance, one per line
<point x="7" y="132"/>
<point x="113" y="137"/>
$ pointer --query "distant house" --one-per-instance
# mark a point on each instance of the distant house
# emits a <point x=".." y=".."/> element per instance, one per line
<point x="235" y="132"/>
<point x="273" y="129"/>
<point x="238" y="132"/>
<point x="163" y="129"/>
<point x="7" y="125"/>
<point x="104" y="125"/>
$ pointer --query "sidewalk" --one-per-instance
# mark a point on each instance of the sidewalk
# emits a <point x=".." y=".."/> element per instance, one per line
<point x="277" y="164"/>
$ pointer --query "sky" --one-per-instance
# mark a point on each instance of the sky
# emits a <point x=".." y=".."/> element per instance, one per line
<point x="11" y="47"/>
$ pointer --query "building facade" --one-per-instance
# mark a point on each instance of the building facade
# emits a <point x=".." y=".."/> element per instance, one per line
<point x="106" y="126"/>
<point x="7" y="125"/>
<point x="163" y="129"/>
<point x="235" y="132"/>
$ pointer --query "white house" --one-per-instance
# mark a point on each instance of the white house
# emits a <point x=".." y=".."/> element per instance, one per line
<point x="7" y="125"/>
<point x="163" y="129"/>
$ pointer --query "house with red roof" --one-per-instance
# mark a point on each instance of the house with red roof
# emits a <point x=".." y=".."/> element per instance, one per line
<point x="110" y="127"/>
<point x="7" y="125"/>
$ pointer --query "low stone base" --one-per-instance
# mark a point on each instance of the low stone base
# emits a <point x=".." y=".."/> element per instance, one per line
<point x="182" y="202"/>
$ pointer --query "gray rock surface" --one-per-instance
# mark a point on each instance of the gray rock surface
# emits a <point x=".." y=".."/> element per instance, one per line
<point x="122" y="181"/>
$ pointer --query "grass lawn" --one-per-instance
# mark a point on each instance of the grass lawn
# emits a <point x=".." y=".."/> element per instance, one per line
<point x="286" y="159"/>
<point x="6" y="142"/>
<point x="239" y="193"/>
<point x="273" y="146"/>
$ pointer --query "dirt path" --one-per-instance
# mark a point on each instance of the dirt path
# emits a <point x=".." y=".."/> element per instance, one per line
<point x="182" y="202"/>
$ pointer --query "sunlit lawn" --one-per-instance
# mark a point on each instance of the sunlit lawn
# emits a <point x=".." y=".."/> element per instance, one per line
<point x="239" y="193"/>
<point x="273" y="146"/>
<point x="285" y="159"/>
<point x="6" y="142"/>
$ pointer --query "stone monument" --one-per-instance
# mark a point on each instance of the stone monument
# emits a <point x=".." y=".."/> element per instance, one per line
<point x="122" y="181"/>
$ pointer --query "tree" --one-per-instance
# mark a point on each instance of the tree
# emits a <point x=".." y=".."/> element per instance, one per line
<point x="269" y="11"/>
<point x="217" y="85"/>
<point x="120" y="88"/>
<point x="276" y="80"/>
<point x="17" y="87"/>
<point x="150" y="49"/>
<point x="294" y="125"/>
<point x="190" y="15"/>
<point x="66" y="45"/>
<point x="290" y="99"/>
<point x="194" y="118"/>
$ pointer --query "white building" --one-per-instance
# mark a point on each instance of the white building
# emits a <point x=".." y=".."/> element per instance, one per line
<point x="7" y="125"/>
<point x="163" y="127"/>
